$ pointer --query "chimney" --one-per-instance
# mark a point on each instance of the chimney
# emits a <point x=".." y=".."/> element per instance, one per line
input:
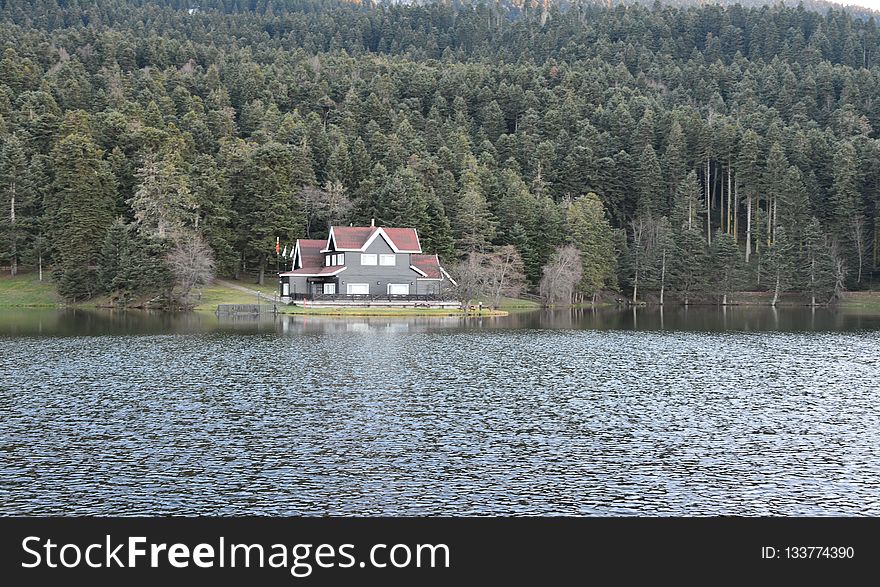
<point x="372" y="222"/>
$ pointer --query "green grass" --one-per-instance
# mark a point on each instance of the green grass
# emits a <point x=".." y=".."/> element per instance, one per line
<point x="861" y="301"/>
<point x="217" y="294"/>
<point x="270" y="288"/>
<point x="25" y="289"/>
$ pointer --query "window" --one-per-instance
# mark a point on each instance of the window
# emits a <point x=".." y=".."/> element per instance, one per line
<point x="367" y="259"/>
<point x="329" y="288"/>
<point x="357" y="288"/>
<point x="327" y="261"/>
<point x="340" y="258"/>
<point x="398" y="289"/>
<point x="387" y="259"/>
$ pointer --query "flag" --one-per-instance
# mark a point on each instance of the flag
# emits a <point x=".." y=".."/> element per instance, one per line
<point x="277" y="244"/>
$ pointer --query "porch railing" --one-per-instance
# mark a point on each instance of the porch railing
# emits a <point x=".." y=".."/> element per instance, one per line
<point x="321" y="297"/>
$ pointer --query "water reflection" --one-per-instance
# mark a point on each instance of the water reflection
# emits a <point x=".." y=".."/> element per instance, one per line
<point x="32" y="322"/>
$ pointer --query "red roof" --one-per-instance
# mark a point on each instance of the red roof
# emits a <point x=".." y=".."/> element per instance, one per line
<point x="427" y="264"/>
<point x="405" y="239"/>
<point x="310" y="252"/>
<point x="355" y="237"/>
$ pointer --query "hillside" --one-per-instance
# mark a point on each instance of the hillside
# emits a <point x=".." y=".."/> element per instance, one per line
<point x="697" y="149"/>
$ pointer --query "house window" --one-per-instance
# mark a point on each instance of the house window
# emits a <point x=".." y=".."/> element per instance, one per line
<point x="368" y="259"/>
<point x="398" y="289"/>
<point x="329" y="288"/>
<point x="387" y="260"/>
<point x="357" y="288"/>
<point x="327" y="261"/>
<point x="340" y="259"/>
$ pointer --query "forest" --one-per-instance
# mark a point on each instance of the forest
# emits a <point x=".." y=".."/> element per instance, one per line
<point x="650" y="150"/>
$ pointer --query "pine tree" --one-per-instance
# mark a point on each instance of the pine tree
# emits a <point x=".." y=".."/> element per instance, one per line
<point x="588" y="230"/>
<point x="650" y="185"/>
<point x="13" y="198"/>
<point x="726" y="265"/>
<point x="816" y="273"/>
<point x="403" y="202"/>
<point x="847" y="222"/>
<point x="690" y="261"/>
<point x="83" y="197"/>
<point x="686" y="205"/>
<point x="749" y="180"/>
<point x="162" y="202"/>
<point x="674" y="159"/>
<point x="473" y="223"/>
<point x="781" y="264"/>
<point x="117" y="273"/>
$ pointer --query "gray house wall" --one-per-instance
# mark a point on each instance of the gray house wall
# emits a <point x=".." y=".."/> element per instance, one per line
<point x="377" y="276"/>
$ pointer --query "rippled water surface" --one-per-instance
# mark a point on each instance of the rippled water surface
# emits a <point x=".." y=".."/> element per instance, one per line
<point x="706" y="412"/>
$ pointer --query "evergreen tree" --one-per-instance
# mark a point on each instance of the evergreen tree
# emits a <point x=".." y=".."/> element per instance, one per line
<point x="817" y="270"/>
<point x="650" y="185"/>
<point x="690" y="260"/>
<point x="588" y="230"/>
<point x="14" y="198"/>
<point x="474" y="225"/>
<point x="726" y="265"/>
<point x="83" y="198"/>
<point x="686" y="205"/>
<point x="781" y="264"/>
<point x="163" y="202"/>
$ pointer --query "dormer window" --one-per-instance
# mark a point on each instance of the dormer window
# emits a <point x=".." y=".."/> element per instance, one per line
<point x="334" y="260"/>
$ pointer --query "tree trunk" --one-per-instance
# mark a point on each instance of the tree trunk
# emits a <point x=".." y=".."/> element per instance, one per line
<point x="775" y="292"/>
<point x="769" y="221"/>
<point x="635" y="285"/>
<point x="14" y="265"/>
<point x="775" y="220"/>
<point x="749" y="229"/>
<point x="729" y="191"/>
<point x="662" y="277"/>
<point x="262" y="270"/>
<point x="708" y="207"/>
<point x="735" y="213"/>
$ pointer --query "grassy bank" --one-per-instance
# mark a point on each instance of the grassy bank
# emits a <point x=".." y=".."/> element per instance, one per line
<point x="862" y="301"/>
<point x="25" y="289"/>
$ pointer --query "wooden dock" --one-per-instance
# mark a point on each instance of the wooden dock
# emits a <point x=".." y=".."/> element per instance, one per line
<point x="245" y="309"/>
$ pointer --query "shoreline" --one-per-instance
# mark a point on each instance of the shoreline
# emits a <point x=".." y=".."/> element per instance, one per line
<point x="23" y="291"/>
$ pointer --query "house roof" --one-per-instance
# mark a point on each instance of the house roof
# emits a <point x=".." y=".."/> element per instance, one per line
<point x="351" y="237"/>
<point x="310" y="252"/>
<point x="427" y="265"/>
<point x="314" y="272"/>
<point x="357" y="238"/>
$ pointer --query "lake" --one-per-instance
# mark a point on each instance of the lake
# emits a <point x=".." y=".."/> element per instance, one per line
<point x="698" y="411"/>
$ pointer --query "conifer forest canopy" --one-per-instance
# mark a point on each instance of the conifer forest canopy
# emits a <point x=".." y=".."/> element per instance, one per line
<point x="697" y="150"/>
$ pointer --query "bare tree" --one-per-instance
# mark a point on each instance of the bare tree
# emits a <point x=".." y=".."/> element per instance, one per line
<point x="329" y="205"/>
<point x="505" y="274"/>
<point x="561" y="276"/>
<point x="191" y="263"/>
<point x="470" y="278"/>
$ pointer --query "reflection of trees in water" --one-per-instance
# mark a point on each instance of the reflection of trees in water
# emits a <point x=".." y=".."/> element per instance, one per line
<point x="79" y="322"/>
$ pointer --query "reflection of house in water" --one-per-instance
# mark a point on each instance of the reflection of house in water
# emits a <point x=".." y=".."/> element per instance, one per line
<point x="293" y="324"/>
